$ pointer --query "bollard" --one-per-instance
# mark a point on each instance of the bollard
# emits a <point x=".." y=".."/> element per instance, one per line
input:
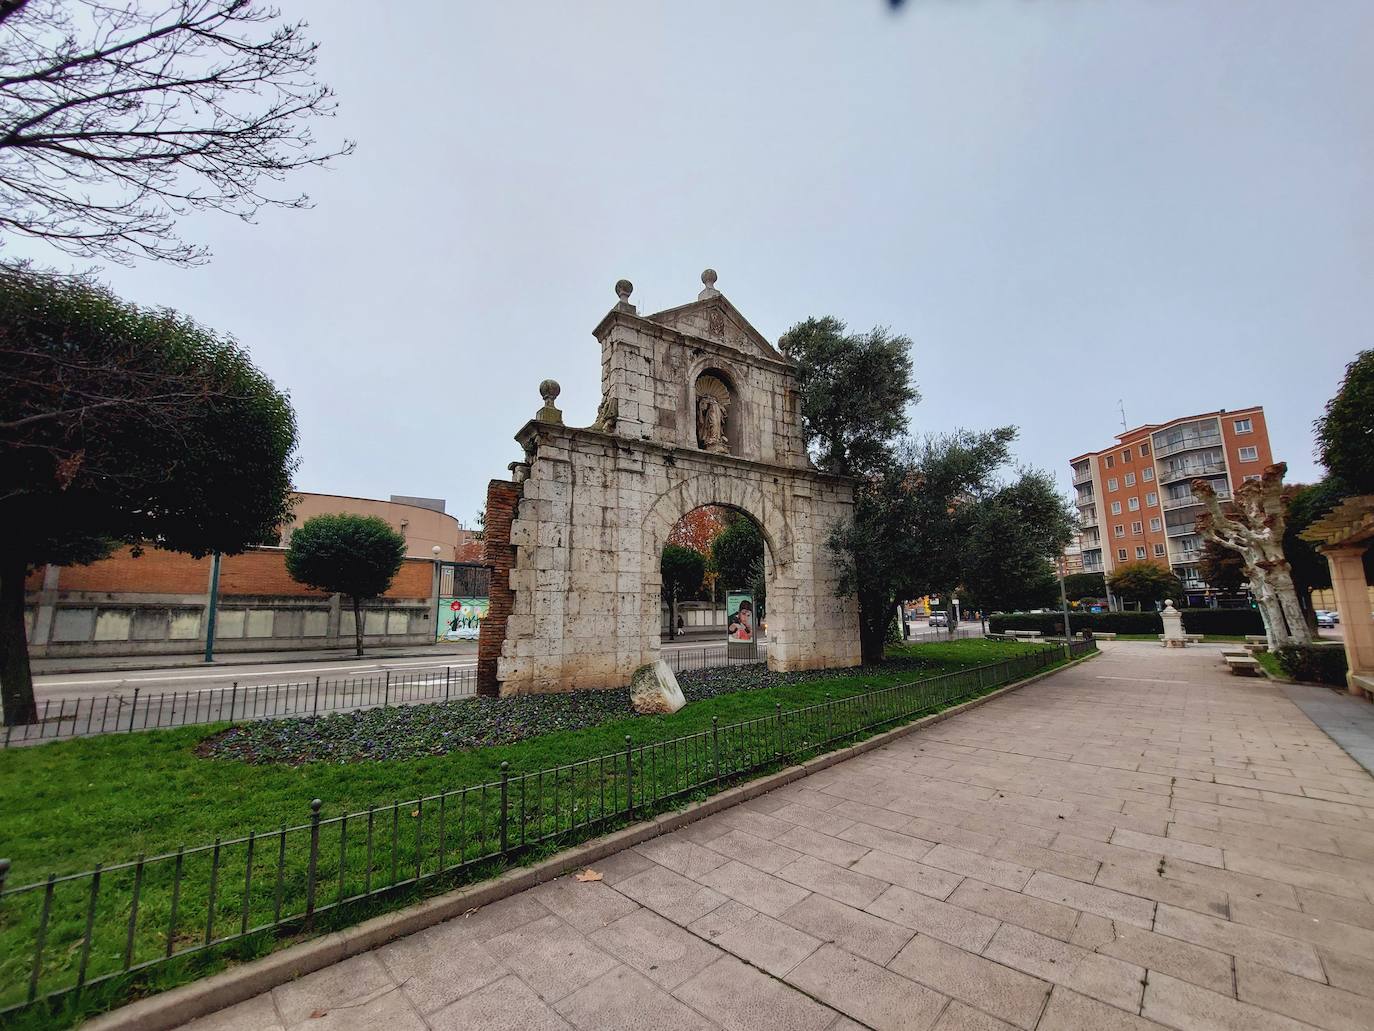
<point x="313" y="869"/>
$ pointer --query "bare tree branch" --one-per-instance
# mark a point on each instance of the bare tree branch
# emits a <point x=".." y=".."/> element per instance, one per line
<point x="119" y="116"/>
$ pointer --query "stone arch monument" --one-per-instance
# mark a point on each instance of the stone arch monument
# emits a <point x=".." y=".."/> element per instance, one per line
<point x="697" y="408"/>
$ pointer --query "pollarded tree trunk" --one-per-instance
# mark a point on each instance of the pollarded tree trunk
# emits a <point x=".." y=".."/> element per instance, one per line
<point x="358" y="626"/>
<point x="1252" y="525"/>
<point x="16" y="680"/>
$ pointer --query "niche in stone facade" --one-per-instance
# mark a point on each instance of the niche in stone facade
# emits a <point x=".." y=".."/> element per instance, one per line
<point x="717" y="413"/>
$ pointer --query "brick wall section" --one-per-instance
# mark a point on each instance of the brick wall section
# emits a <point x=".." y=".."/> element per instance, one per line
<point x="502" y="498"/>
<point x="257" y="572"/>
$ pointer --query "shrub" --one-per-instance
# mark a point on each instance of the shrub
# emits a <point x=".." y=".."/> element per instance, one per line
<point x="1098" y="622"/>
<point x="1227" y="622"/>
<point x="1314" y="663"/>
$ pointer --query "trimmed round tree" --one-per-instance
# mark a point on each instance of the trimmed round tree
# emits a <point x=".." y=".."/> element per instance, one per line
<point x="346" y="554"/>
<point x="121" y="424"/>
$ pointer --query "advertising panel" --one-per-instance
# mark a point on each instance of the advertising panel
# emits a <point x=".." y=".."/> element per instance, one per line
<point x="739" y="617"/>
<point x="460" y="619"/>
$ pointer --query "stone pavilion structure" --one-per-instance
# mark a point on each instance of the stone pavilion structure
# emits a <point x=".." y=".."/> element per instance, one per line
<point x="697" y="408"/>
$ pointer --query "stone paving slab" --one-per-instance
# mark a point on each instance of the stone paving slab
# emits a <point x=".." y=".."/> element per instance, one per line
<point x="1135" y="843"/>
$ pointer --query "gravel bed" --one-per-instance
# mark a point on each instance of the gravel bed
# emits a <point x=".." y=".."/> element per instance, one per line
<point x="414" y="731"/>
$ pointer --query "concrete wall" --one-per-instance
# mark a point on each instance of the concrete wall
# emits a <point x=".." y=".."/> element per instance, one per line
<point x="156" y="604"/>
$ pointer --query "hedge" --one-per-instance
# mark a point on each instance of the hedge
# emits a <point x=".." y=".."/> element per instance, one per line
<point x="1099" y="622"/>
<point x="1314" y="663"/>
<point x="1227" y="622"/>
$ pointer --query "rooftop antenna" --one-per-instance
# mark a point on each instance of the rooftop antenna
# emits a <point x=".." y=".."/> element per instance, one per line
<point x="1122" y="407"/>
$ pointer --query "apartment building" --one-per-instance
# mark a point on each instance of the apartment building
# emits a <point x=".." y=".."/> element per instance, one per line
<point x="1135" y="498"/>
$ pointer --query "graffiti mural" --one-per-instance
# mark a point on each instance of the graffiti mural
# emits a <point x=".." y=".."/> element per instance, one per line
<point x="460" y="619"/>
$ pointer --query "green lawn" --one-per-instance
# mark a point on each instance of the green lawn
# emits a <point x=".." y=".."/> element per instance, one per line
<point x="73" y="804"/>
<point x="1270" y="662"/>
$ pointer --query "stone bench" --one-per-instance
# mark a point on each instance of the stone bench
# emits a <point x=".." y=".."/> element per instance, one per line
<point x="1104" y="636"/>
<point x="1190" y="638"/>
<point x="1257" y="639"/>
<point x="1024" y="633"/>
<point x="1243" y="665"/>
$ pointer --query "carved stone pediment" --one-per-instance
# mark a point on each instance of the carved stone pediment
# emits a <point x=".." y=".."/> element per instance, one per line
<point x="718" y="320"/>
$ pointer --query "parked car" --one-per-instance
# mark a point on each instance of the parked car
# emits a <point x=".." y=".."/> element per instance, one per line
<point x="1326" y="620"/>
<point x="939" y="619"/>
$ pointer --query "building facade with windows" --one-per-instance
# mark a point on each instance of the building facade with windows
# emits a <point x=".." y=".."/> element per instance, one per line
<point x="1135" y="498"/>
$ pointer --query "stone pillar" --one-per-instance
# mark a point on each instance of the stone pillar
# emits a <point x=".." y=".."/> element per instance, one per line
<point x="1173" y="626"/>
<point x="1352" y="602"/>
<point x="499" y="556"/>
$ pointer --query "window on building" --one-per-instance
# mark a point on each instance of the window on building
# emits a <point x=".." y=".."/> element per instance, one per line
<point x="1147" y="474"/>
<point x="1111" y="462"/>
<point x="1119" y="529"/>
<point x="1139" y="554"/>
<point x="1144" y="450"/>
<point x="1116" y="508"/>
<point x="1130" y="479"/>
<point x="1159" y="551"/>
<point x="1121" y="554"/>
<point x="1135" y="526"/>
<point x="1253" y="476"/>
<point x="1156" y="524"/>
<point x="1126" y="455"/>
<point x="1249" y="454"/>
<point x="1152" y="499"/>
<point x="1111" y="483"/>
<point x="1244" y="426"/>
<point x="1133" y="503"/>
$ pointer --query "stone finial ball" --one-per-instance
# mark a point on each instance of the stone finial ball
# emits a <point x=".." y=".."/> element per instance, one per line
<point x="623" y="289"/>
<point x="549" y="390"/>
<point x="708" y="278"/>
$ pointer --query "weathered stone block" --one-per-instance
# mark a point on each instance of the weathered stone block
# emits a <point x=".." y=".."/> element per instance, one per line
<point x="654" y="690"/>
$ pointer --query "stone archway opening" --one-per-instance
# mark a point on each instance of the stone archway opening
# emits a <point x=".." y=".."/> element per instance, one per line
<point x="729" y="546"/>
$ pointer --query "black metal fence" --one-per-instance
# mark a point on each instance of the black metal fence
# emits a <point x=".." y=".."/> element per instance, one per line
<point x="127" y="712"/>
<point x="152" y="710"/>
<point x="78" y="929"/>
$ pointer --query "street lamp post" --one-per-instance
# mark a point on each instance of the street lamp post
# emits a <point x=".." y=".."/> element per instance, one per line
<point x="1064" y="602"/>
<point x="213" y="609"/>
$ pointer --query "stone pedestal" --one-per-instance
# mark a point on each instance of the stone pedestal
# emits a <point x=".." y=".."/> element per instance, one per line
<point x="1173" y="627"/>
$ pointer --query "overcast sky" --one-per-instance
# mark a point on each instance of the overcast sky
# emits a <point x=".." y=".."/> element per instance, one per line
<point x="1062" y="202"/>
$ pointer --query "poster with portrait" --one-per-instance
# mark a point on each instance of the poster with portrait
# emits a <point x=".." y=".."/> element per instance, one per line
<point x="460" y="619"/>
<point x="739" y="617"/>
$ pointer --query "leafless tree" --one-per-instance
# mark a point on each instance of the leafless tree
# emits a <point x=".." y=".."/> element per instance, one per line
<point x="119" y="116"/>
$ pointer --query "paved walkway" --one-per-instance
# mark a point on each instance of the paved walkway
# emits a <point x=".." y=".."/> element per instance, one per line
<point x="1347" y="720"/>
<point x="1138" y="842"/>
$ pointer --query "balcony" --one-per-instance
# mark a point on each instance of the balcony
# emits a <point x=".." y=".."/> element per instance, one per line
<point x="1188" y="500"/>
<point x="1187" y="444"/>
<point x="1082" y="476"/>
<point x="1193" y="471"/>
<point x="1093" y="567"/>
<point x="1179" y="529"/>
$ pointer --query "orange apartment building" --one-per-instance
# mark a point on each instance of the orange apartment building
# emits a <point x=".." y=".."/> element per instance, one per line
<point x="1135" y="499"/>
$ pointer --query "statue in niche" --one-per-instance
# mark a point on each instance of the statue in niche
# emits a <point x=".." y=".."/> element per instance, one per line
<point x="713" y="408"/>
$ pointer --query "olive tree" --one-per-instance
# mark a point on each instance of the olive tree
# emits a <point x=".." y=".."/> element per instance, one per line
<point x="354" y="555"/>
<point x="121" y="424"/>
